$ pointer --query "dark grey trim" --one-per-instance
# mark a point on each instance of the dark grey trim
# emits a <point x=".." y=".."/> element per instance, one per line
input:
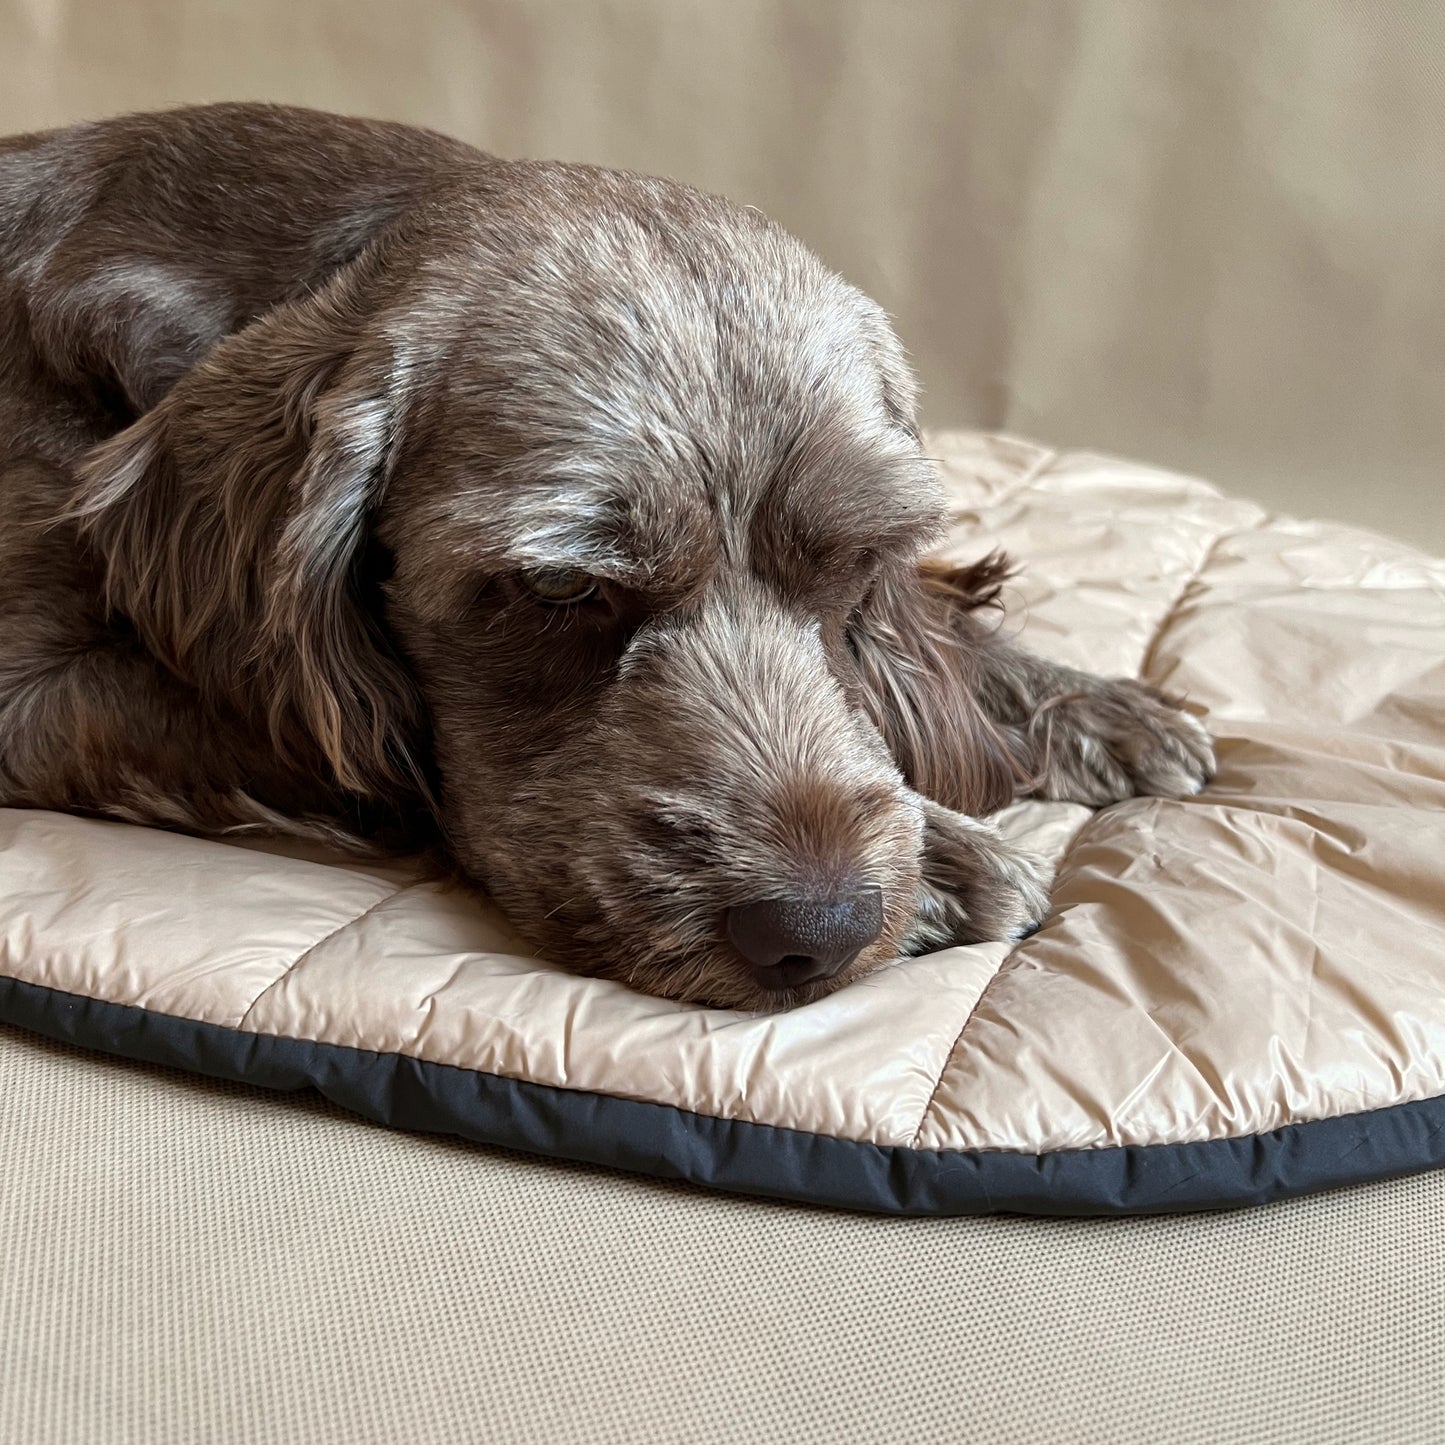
<point x="747" y="1158"/>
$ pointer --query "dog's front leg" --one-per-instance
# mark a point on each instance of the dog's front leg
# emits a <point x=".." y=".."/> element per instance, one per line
<point x="1084" y="739"/>
<point x="975" y="885"/>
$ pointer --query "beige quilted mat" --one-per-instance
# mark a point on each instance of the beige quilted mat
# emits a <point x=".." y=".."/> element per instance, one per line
<point x="1270" y="952"/>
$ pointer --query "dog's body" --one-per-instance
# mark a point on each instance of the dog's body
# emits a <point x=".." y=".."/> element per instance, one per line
<point x="358" y="484"/>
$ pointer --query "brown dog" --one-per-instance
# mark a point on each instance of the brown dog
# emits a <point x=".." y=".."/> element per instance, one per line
<point x="358" y="484"/>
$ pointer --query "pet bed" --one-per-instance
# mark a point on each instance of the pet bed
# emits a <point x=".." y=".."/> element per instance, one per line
<point x="1235" y="997"/>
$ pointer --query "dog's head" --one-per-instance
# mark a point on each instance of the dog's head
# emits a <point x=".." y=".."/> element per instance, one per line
<point x="597" y="505"/>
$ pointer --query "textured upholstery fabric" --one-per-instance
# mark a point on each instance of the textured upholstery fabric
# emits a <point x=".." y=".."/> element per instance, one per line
<point x="186" y="1261"/>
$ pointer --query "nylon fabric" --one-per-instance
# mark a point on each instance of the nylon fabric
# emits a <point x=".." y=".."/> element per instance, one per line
<point x="1266" y="954"/>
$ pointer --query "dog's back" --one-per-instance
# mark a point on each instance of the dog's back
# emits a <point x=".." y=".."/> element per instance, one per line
<point x="128" y="248"/>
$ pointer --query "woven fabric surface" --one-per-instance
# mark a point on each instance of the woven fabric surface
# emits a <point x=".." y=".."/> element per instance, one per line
<point x="187" y="1261"/>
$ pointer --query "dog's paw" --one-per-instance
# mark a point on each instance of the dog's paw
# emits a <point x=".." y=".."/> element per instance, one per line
<point x="1119" y="740"/>
<point x="975" y="885"/>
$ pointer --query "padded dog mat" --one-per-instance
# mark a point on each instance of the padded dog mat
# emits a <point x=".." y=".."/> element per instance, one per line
<point x="1235" y="997"/>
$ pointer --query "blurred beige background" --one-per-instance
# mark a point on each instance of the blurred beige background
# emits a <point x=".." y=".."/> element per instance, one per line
<point x="1204" y="233"/>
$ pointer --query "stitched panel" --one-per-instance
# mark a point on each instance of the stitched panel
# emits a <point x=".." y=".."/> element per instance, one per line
<point x="301" y="958"/>
<point x="182" y="925"/>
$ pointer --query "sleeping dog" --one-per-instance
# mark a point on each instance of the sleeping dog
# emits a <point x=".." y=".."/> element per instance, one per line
<point x="569" y="523"/>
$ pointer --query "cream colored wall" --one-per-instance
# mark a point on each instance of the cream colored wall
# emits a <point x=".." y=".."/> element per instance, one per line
<point x="1208" y="233"/>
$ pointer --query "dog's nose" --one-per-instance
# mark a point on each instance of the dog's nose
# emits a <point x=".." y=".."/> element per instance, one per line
<point x="792" y="941"/>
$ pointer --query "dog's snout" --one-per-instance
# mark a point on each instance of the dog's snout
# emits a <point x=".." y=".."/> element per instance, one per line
<point x="793" y="941"/>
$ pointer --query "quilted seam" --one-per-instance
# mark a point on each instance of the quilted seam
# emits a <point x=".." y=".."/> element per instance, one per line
<point x="1191" y="582"/>
<point x="1022" y="483"/>
<point x="1186" y="591"/>
<point x="311" y="948"/>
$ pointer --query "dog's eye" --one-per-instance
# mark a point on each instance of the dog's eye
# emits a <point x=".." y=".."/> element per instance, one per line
<point x="560" y="586"/>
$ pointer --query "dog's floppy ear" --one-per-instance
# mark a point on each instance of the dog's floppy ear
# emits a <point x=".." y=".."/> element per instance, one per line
<point x="232" y="521"/>
<point x="921" y="684"/>
<point x="896" y="380"/>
